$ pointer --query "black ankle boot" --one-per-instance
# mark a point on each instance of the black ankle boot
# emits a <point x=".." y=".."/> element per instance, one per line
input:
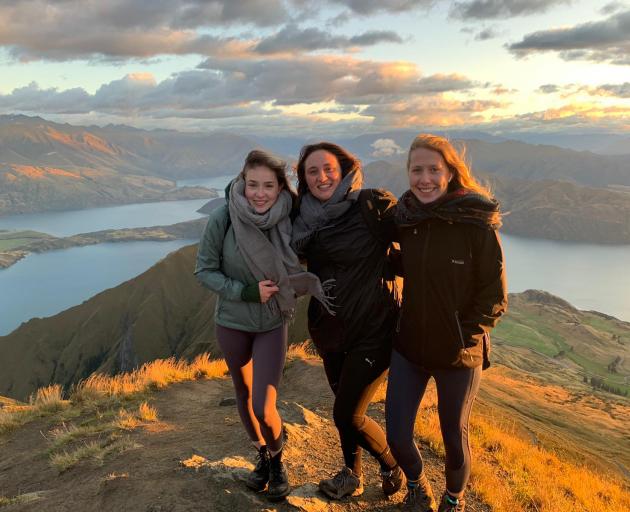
<point x="278" y="479"/>
<point x="258" y="478"/>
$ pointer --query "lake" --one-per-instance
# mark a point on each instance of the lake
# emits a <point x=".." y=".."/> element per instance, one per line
<point x="117" y="217"/>
<point x="45" y="284"/>
<point x="588" y="276"/>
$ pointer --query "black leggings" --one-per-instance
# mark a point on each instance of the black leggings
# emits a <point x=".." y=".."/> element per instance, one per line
<point x="456" y="391"/>
<point x="354" y="378"/>
<point x="255" y="361"/>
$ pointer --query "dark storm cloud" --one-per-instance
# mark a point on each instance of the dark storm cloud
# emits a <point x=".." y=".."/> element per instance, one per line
<point x="600" y="41"/>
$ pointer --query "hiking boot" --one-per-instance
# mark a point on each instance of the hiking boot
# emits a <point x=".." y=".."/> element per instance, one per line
<point x="344" y="483"/>
<point x="278" y="479"/>
<point x="419" y="497"/>
<point x="393" y="480"/>
<point x="258" y="478"/>
<point x="450" y="504"/>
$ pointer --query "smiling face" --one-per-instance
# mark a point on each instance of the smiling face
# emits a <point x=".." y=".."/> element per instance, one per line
<point x="322" y="173"/>
<point x="428" y="175"/>
<point x="261" y="188"/>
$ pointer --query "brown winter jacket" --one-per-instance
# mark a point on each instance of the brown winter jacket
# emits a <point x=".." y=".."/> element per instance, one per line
<point x="454" y="293"/>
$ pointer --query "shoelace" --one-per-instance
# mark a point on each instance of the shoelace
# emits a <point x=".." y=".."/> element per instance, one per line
<point x="411" y="495"/>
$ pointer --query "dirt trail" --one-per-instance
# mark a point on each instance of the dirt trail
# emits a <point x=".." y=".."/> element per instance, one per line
<point x="195" y="457"/>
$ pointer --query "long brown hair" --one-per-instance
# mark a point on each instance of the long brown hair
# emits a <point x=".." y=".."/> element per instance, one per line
<point x="278" y="166"/>
<point x="455" y="160"/>
<point x="347" y="161"/>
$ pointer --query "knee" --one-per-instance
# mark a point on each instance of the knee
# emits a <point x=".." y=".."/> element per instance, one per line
<point x="265" y="412"/>
<point x="346" y="419"/>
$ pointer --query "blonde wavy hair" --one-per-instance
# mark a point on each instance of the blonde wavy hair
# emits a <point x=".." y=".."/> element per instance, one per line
<point x="455" y="160"/>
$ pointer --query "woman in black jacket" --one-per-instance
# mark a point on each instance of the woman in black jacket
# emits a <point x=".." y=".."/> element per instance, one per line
<point x="344" y="235"/>
<point x="454" y="294"/>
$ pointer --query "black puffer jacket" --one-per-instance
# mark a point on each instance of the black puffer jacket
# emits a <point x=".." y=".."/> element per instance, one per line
<point x="455" y="292"/>
<point x="354" y="254"/>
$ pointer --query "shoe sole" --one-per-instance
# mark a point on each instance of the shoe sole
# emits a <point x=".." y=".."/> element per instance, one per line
<point x="278" y="497"/>
<point x="334" y="496"/>
<point x="255" y="488"/>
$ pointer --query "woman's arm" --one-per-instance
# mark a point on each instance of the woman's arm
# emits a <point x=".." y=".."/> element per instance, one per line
<point x="489" y="300"/>
<point x="208" y="269"/>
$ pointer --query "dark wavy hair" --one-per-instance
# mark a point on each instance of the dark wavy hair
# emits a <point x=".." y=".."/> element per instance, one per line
<point x="278" y="166"/>
<point x="347" y="161"/>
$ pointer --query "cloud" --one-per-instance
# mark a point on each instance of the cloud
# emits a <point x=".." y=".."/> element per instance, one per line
<point x="385" y="148"/>
<point x="616" y="90"/>
<point x="486" y="33"/>
<point x="125" y="29"/>
<point x="232" y="87"/>
<point x="501" y="9"/>
<point x="612" y="7"/>
<point x="600" y="41"/>
<point x="433" y="111"/>
<point x="549" y="88"/>
<point x="292" y="39"/>
<point x="313" y="79"/>
<point x="366" y="7"/>
<point x="121" y="29"/>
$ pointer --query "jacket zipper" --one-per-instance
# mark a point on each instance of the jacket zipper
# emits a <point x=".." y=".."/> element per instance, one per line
<point x="424" y="296"/>
<point x="461" y="337"/>
<point x="459" y="328"/>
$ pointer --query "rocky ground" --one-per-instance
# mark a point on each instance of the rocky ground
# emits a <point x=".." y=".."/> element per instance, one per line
<point x="195" y="457"/>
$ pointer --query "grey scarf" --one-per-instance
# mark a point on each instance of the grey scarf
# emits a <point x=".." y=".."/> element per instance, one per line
<point x="264" y="241"/>
<point x="315" y="215"/>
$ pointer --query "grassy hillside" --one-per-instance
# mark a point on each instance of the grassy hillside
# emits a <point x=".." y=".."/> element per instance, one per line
<point x="162" y="437"/>
<point x="31" y="188"/>
<point x="161" y="313"/>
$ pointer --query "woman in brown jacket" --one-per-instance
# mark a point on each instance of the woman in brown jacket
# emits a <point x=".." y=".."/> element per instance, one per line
<point x="454" y="294"/>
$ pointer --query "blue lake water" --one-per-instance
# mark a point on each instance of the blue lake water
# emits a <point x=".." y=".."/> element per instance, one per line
<point x="116" y="217"/>
<point x="110" y="217"/>
<point x="45" y="284"/>
<point x="588" y="276"/>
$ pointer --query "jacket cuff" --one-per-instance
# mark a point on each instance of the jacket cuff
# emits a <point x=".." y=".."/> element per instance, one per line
<point x="251" y="293"/>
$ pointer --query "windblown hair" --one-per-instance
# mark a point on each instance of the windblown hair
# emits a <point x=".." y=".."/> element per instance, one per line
<point x="278" y="166"/>
<point x="455" y="160"/>
<point x="347" y="161"/>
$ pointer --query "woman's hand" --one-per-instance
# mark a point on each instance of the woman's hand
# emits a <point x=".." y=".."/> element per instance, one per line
<point x="267" y="289"/>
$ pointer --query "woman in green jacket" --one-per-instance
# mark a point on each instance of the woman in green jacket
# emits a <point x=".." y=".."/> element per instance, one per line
<point x="245" y="258"/>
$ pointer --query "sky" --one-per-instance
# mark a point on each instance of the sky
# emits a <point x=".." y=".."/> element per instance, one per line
<point x="282" y="67"/>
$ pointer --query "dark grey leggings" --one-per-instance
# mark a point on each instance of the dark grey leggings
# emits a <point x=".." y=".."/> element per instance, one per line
<point x="255" y="361"/>
<point x="456" y="391"/>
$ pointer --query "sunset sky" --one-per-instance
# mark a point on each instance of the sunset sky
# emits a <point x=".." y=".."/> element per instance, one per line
<point x="334" y="66"/>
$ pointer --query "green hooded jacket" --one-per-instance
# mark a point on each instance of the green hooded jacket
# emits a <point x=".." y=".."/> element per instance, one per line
<point x="222" y="269"/>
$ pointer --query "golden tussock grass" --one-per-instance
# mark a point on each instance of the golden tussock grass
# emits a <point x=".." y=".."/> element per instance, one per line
<point x="153" y="375"/>
<point x="45" y="401"/>
<point x="510" y="473"/>
<point x="94" y="451"/>
<point x="99" y="388"/>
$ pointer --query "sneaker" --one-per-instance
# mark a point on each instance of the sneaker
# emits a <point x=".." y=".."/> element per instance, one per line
<point x="344" y="483"/>
<point x="393" y="480"/>
<point x="450" y="504"/>
<point x="258" y="478"/>
<point x="278" y="479"/>
<point x="419" y="497"/>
